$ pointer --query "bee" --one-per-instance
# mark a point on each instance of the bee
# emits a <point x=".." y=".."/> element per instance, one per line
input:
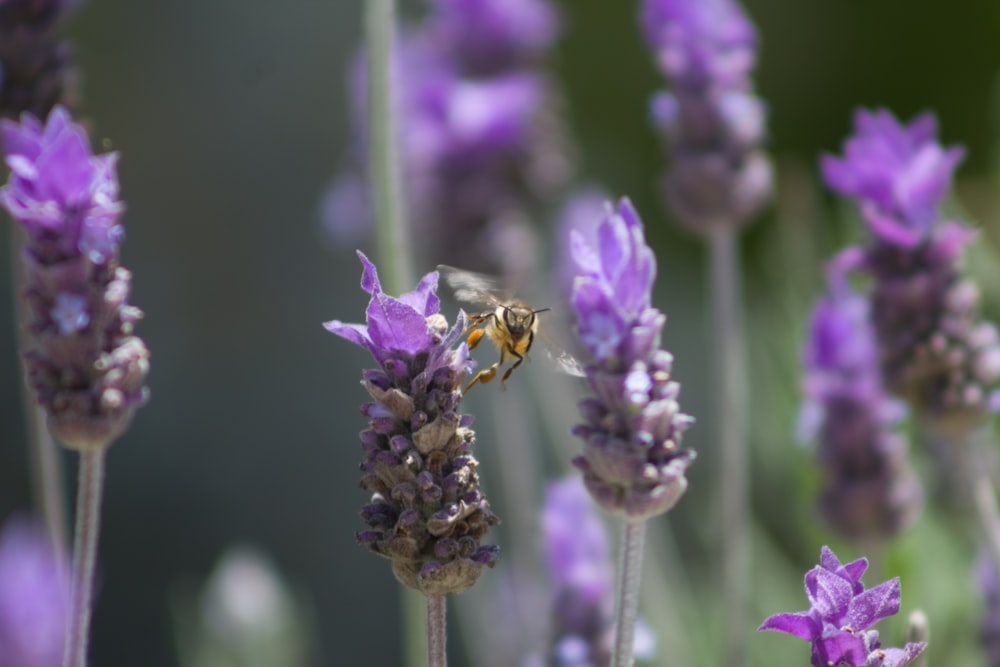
<point x="511" y="324"/>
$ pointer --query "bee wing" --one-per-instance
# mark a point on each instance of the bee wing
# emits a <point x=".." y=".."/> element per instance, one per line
<point x="474" y="288"/>
<point x="563" y="361"/>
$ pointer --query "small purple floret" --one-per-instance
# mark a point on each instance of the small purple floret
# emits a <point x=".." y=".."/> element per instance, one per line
<point x="841" y="613"/>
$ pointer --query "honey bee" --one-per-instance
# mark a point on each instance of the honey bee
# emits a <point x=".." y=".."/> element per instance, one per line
<point x="511" y="324"/>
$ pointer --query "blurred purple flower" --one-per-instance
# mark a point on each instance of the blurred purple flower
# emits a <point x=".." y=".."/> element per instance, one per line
<point x="840" y="615"/>
<point x="632" y="462"/>
<point x="486" y="37"/>
<point x="37" y="70"/>
<point x="82" y="359"/>
<point x="989" y="626"/>
<point x="427" y="514"/>
<point x="577" y="551"/>
<point x="711" y="121"/>
<point x="898" y="174"/>
<point x="34" y="600"/>
<point x="480" y="147"/>
<point x="868" y="490"/>
<point x="935" y="350"/>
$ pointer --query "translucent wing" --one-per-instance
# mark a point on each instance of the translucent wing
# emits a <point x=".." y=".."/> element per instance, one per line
<point x="563" y="361"/>
<point x="474" y="288"/>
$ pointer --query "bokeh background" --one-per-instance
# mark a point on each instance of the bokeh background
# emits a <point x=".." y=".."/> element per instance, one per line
<point x="232" y="118"/>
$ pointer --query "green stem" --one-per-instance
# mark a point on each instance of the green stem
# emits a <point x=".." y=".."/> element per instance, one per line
<point x="88" y="527"/>
<point x="392" y="233"/>
<point x="629" y="576"/>
<point x="727" y="330"/>
<point x="437" y="636"/>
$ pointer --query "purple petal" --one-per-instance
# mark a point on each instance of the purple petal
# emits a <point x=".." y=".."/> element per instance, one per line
<point x="801" y="624"/>
<point x="829" y="594"/>
<point x="874" y="604"/>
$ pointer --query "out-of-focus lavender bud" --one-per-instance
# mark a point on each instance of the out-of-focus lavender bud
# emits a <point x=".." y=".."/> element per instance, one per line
<point x="37" y="70"/>
<point x="82" y="358"/>
<point x="868" y="491"/>
<point x="712" y="123"/>
<point x="632" y="461"/>
<point x="427" y="514"/>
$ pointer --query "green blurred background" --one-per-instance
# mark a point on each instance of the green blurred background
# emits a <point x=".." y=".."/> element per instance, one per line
<point x="231" y="118"/>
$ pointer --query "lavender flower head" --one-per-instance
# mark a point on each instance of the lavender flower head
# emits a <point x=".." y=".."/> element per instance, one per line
<point x="711" y="121"/>
<point x="83" y="361"/>
<point x="632" y="462"/>
<point x="840" y="615"/>
<point x="869" y="491"/>
<point x="37" y="70"/>
<point x="34" y="601"/>
<point x="427" y="514"/>
<point x="935" y="351"/>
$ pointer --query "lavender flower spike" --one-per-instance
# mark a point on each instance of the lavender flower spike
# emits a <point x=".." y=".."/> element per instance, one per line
<point x="632" y="462"/>
<point x="427" y="514"/>
<point x="34" y="601"/>
<point x="85" y="364"/>
<point x="936" y="352"/>
<point x="712" y="123"/>
<point x="841" y="613"/>
<point x="869" y="490"/>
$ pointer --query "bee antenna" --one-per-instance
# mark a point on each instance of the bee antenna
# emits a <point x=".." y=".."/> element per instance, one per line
<point x="540" y="310"/>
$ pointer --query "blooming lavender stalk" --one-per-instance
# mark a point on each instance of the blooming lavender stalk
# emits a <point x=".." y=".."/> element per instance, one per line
<point x="840" y="615"/>
<point x="34" y="601"/>
<point x="869" y="491"/>
<point x="935" y="350"/>
<point x="37" y="70"/>
<point x="427" y="514"/>
<point x="83" y="361"/>
<point x="718" y="179"/>
<point x="632" y="462"/>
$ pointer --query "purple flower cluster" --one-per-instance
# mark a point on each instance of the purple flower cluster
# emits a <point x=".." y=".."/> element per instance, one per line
<point x="869" y="490"/>
<point x="840" y="615"/>
<point x="34" y="600"/>
<point x="632" y="461"/>
<point x="712" y="122"/>
<point x="85" y="364"/>
<point x="427" y="514"/>
<point x="37" y="70"/>
<point x="935" y="350"/>
<point x="479" y="145"/>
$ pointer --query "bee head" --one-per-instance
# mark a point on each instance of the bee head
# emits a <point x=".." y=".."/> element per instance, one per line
<point x="519" y="318"/>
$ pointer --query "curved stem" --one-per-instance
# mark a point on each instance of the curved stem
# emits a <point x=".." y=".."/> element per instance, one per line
<point x="437" y="636"/>
<point x="88" y="527"/>
<point x="394" y="246"/>
<point x="46" y="464"/>
<point x="629" y="576"/>
<point x="727" y="329"/>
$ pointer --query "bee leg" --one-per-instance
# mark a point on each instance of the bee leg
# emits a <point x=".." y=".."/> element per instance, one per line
<point x="503" y="380"/>
<point x="475" y="337"/>
<point x="482" y="377"/>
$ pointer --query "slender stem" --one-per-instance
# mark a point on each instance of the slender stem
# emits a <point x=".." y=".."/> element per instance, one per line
<point x="383" y="157"/>
<point x="727" y="329"/>
<point x="984" y="498"/>
<point x="415" y="632"/>
<point x="88" y="526"/>
<point x="629" y="576"/>
<point x="46" y="464"/>
<point x="437" y="636"/>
